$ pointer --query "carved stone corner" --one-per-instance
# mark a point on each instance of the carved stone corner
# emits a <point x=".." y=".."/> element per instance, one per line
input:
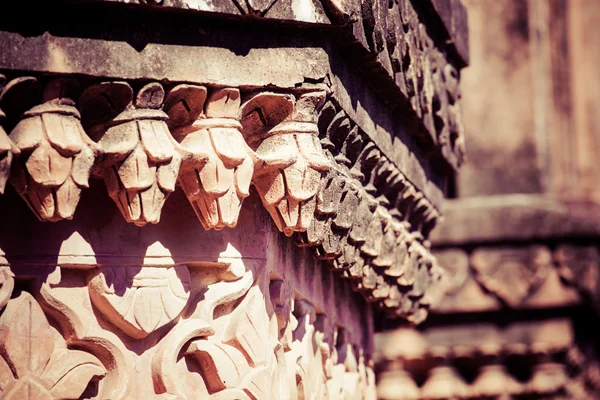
<point x="282" y="130"/>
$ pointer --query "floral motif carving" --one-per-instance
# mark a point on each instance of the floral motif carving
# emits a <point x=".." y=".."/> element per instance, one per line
<point x="140" y="300"/>
<point x="55" y="156"/>
<point x="34" y="360"/>
<point x="284" y="134"/>
<point x="141" y="162"/>
<point x="217" y="166"/>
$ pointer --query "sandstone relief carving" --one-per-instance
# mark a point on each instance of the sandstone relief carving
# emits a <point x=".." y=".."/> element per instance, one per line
<point x="320" y="177"/>
<point x="247" y="335"/>
<point x="140" y="300"/>
<point x="283" y="132"/>
<point x="217" y="165"/>
<point x="7" y="148"/>
<point x="512" y="274"/>
<point x="140" y="160"/>
<point x="34" y="360"/>
<point x="55" y="156"/>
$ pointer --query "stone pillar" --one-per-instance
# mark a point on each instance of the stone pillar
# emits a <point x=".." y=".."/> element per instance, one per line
<point x="519" y="244"/>
<point x="216" y="199"/>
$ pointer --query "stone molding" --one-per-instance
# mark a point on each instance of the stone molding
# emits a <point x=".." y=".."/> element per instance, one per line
<point x="319" y="176"/>
<point x="482" y="360"/>
<point x="503" y="277"/>
<point x="402" y="45"/>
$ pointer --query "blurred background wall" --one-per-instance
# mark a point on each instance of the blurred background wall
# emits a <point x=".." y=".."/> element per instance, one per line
<point x="518" y="314"/>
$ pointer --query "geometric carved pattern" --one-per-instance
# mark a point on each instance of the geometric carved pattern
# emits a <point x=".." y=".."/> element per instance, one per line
<point x="512" y="273"/>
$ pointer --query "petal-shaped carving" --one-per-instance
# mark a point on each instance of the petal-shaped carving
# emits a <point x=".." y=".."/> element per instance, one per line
<point x="64" y="130"/>
<point x="143" y="163"/>
<point x="229" y="145"/>
<point x="217" y="164"/>
<point x="69" y="371"/>
<point x="156" y="139"/>
<point x="54" y="148"/>
<point x="67" y="197"/>
<point x="82" y="165"/>
<point x="278" y="151"/>
<point x="28" y="134"/>
<point x="290" y="148"/>
<point x="137" y="172"/>
<point x="184" y="104"/>
<point x="140" y="300"/>
<point x="223" y="103"/>
<point x="26" y="340"/>
<point x="119" y="140"/>
<point x="47" y="167"/>
<point x="167" y="173"/>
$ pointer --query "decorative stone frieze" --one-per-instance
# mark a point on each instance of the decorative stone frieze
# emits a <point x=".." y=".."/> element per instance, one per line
<point x="277" y="168"/>
<point x="318" y="175"/>
<point x="283" y="132"/>
<point x="522" y="359"/>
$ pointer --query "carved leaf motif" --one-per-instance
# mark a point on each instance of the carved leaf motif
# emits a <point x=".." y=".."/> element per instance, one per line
<point x="32" y="364"/>
<point x="243" y="355"/>
<point x="140" y="300"/>
<point x="143" y="161"/>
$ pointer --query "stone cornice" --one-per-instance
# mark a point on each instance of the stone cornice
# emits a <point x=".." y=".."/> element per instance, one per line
<point x="318" y="174"/>
<point x="406" y="63"/>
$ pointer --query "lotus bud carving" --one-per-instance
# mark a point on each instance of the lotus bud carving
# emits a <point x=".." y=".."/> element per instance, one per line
<point x="141" y="161"/>
<point x="217" y="164"/>
<point x="283" y="132"/>
<point x="54" y="154"/>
